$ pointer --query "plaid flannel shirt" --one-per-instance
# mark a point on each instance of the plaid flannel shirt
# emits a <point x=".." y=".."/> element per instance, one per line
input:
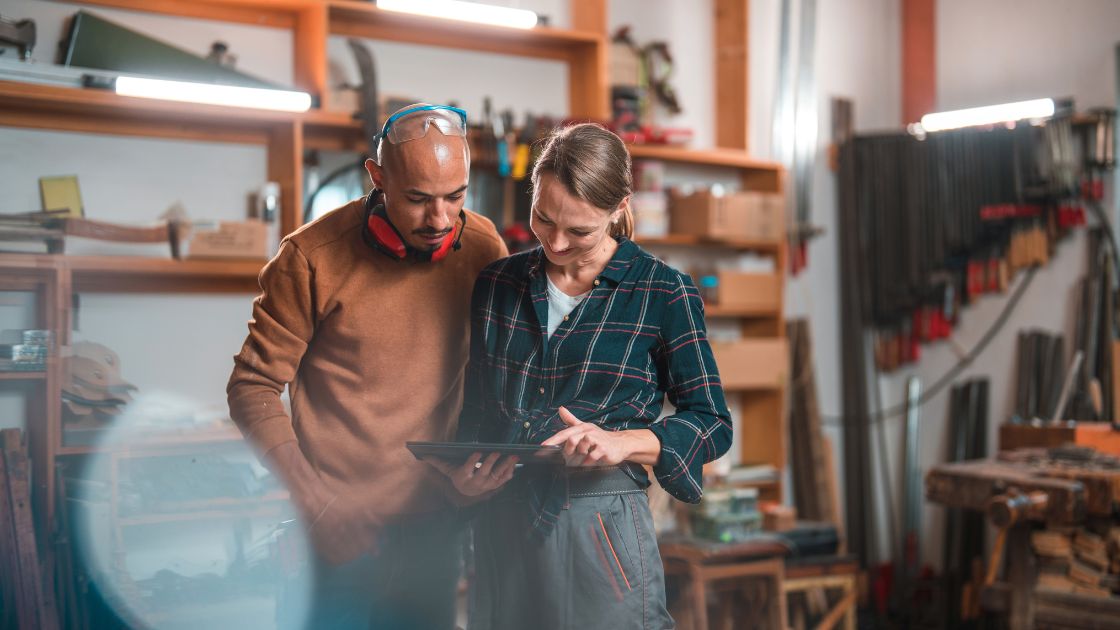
<point x="637" y="338"/>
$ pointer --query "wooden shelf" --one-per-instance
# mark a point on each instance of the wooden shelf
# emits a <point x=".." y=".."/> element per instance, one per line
<point x="685" y="240"/>
<point x="127" y="274"/>
<point x="772" y="388"/>
<point x="715" y="310"/>
<point x="273" y="13"/>
<point x="101" y="111"/>
<point x="202" y="515"/>
<point x="163" y="444"/>
<point x="112" y="274"/>
<point x="210" y="509"/>
<point x="355" y="18"/>
<point x="711" y="157"/>
<point x="17" y="375"/>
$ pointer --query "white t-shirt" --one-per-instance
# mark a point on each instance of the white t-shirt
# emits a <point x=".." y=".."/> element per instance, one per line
<point x="560" y="304"/>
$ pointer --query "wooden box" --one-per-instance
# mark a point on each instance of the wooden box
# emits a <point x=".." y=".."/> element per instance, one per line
<point x="755" y="292"/>
<point x="739" y="215"/>
<point x="229" y="239"/>
<point x="751" y="363"/>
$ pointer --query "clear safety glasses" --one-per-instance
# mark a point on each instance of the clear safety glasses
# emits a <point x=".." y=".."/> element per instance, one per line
<point x="413" y="123"/>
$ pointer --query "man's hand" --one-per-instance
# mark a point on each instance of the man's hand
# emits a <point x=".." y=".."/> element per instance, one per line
<point x="342" y="530"/>
<point x="587" y="444"/>
<point x="338" y="527"/>
<point x="477" y="476"/>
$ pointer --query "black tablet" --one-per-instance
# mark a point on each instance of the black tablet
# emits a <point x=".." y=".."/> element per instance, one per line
<point x="458" y="452"/>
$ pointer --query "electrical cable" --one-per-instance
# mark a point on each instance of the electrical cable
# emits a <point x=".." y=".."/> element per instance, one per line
<point x="947" y="378"/>
<point x="333" y="175"/>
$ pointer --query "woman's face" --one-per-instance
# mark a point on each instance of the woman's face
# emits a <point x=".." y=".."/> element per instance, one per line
<point x="568" y="228"/>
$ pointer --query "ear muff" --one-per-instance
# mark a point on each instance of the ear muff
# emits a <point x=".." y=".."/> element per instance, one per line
<point x="383" y="236"/>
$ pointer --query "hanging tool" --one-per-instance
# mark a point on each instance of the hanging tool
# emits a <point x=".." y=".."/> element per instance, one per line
<point x="1071" y="374"/>
<point x="18" y="33"/>
<point x="912" y="503"/>
<point x="369" y="113"/>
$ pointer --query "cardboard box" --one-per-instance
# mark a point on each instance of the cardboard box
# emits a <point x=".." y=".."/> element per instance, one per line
<point x="760" y="292"/>
<point x="229" y="239"/>
<point x="651" y="214"/>
<point x="766" y="217"/>
<point x="740" y="215"/>
<point x="752" y="363"/>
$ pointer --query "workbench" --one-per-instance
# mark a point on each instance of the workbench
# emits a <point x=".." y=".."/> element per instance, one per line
<point x="1022" y="492"/>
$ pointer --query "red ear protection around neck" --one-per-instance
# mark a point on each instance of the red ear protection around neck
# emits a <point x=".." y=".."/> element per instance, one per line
<point x="383" y="236"/>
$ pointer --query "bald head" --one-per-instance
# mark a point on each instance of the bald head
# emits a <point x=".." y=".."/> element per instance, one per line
<point x="424" y="182"/>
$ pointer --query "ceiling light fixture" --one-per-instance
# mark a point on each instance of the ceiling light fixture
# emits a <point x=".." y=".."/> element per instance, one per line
<point x="989" y="115"/>
<point x="211" y="94"/>
<point x="464" y="11"/>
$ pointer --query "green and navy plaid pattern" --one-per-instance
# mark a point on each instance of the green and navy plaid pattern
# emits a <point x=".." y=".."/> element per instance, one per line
<point x="637" y="338"/>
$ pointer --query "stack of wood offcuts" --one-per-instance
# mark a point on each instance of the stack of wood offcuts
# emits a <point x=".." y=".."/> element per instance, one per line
<point x="1077" y="560"/>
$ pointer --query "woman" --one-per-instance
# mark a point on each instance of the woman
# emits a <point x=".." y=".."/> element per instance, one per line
<point x="577" y="343"/>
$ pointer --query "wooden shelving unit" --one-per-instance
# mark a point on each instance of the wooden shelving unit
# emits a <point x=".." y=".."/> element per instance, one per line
<point x="22" y="376"/>
<point x="741" y="245"/>
<point x="287" y="136"/>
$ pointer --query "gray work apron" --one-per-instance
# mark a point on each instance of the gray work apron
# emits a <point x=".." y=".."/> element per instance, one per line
<point x="599" y="568"/>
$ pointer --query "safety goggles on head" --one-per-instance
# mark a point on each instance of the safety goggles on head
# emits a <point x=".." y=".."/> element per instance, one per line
<point x="414" y="122"/>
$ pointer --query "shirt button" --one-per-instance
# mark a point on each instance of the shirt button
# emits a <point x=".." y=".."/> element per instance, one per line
<point x="596" y="283"/>
<point x="527" y="425"/>
<point x="541" y="390"/>
<point x="565" y="318"/>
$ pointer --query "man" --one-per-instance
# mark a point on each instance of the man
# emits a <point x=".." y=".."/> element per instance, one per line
<point x="364" y="315"/>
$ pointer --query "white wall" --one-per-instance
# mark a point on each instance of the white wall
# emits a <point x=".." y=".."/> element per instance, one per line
<point x="995" y="51"/>
<point x="134" y="180"/>
<point x="857" y="57"/>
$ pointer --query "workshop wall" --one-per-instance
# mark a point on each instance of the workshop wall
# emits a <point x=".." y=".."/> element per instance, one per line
<point x="857" y="57"/>
<point x="990" y="52"/>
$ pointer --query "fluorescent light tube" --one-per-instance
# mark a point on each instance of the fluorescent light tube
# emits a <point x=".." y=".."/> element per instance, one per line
<point x="464" y="11"/>
<point x="210" y="94"/>
<point x="990" y="115"/>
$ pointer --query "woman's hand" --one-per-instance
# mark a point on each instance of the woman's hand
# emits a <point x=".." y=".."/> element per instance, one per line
<point x="586" y="444"/>
<point x="477" y="476"/>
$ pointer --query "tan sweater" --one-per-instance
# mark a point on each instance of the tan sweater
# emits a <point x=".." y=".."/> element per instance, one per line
<point x="372" y="350"/>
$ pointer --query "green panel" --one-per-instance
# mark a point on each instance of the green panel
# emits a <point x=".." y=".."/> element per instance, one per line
<point x="95" y="42"/>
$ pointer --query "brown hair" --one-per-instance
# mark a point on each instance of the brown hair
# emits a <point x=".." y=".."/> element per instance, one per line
<point x="594" y="165"/>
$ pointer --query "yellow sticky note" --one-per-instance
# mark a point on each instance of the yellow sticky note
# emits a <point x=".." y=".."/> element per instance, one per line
<point x="61" y="193"/>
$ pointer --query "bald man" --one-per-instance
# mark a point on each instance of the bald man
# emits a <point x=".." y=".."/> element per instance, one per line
<point x="364" y="316"/>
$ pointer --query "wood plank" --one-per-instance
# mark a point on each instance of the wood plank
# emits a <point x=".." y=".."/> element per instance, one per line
<point x="263" y="13"/>
<point x="733" y="158"/>
<point x="919" y="59"/>
<point x="99" y="274"/>
<point x="589" y="15"/>
<point x="363" y="19"/>
<point x="812" y="471"/>
<point x="14" y="608"/>
<point x="763" y="425"/>
<point x="17" y="465"/>
<point x="22" y="376"/>
<point x="589" y="83"/>
<point x="1116" y="380"/>
<point x="726" y="312"/>
<point x="285" y="166"/>
<point x="971" y="485"/>
<point x="743" y="245"/>
<point x="731" y="54"/>
<point x="309" y="51"/>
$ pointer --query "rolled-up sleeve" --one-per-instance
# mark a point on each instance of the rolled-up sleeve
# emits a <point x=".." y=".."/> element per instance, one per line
<point x="281" y="327"/>
<point x="699" y="431"/>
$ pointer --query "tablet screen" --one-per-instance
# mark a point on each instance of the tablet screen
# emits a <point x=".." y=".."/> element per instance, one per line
<point x="458" y="452"/>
